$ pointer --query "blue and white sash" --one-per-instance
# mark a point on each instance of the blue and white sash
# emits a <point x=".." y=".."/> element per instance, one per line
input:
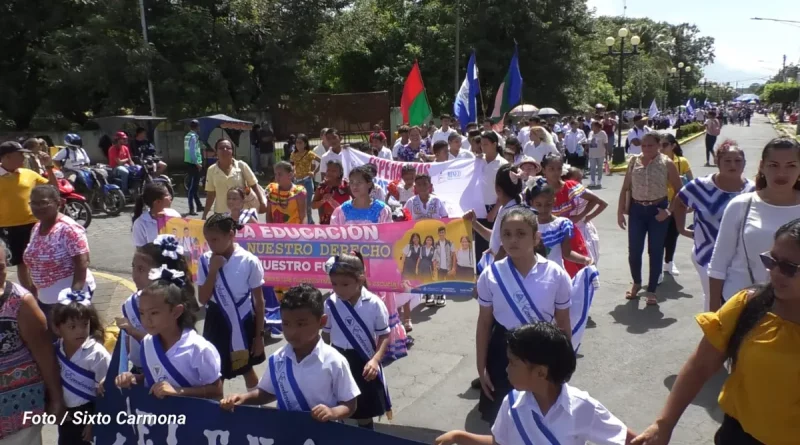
<point x="582" y="294"/>
<point x="74" y="379"/>
<point x="513" y="289"/>
<point x="233" y="310"/>
<point x="358" y="335"/>
<point x="130" y="310"/>
<point x="486" y="260"/>
<point x="538" y="434"/>
<point x="157" y="367"/>
<point x="288" y="393"/>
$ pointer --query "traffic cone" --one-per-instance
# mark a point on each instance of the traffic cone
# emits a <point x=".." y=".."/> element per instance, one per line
<point x="606" y="167"/>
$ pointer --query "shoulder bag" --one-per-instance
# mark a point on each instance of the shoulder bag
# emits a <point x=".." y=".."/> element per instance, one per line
<point x="251" y="194"/>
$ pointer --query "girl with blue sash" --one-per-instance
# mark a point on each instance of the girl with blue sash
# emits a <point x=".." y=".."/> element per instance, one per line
<point x="83" y="360"/>
<point x="306" y="374"/>
<point x="230" y="280"/>
<point x="358" y="327"/>
<point x="542" y="409"/>
<point x="176" y="360"/>
<point x="164" y="251"/>
<point x="524" y="287"/>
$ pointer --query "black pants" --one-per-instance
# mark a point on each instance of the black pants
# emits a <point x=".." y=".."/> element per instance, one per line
<point x="70" y="433"/>
<point x="194" y="186"/>
<point x="671" y="241"/>
<point x="481" y="245"/>
<point x="710" y="141"/>
<point x="732" y="433"/>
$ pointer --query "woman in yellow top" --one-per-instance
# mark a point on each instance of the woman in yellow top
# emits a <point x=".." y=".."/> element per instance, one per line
<point x="306" y="165"/>
<point x="671" y="148"/>
<point x="226" y="174"/>
<point x="286" y="201"/>
<point x="759" y="331"/>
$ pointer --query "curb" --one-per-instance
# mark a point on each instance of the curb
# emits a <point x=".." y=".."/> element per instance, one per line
<point x="617" y="168"/>
<point x="128" y="284"/>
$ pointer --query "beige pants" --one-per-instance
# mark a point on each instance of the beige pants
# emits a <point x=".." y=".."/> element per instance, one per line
<point x="28" y="436"/>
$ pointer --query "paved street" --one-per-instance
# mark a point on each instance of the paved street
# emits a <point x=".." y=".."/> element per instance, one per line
<point x="630" y="356"/>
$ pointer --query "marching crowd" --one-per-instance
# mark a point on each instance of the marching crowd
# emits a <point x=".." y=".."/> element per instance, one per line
<point x="535" y="246"/>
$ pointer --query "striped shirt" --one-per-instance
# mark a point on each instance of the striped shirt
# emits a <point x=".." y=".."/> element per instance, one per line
<point x="566" y="200"/>
<point x="709" y="203"/>
<point x="553" y="234"/>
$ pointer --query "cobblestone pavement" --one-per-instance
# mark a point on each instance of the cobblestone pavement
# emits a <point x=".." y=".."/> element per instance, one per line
<point x="629" y="359"/>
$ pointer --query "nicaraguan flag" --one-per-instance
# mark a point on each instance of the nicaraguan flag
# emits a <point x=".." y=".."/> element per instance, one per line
<point x="653" y="110"/>
<point x="465" y="108"/>
<point x="690" y="106"/>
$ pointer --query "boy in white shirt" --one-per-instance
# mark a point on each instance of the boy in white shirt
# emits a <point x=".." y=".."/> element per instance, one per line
<point x="543" y="408"/>
<point x="377" y="142"/>
<point x="324" y="385"/>
<point x="443" y="133"/>
<point x="401" y="141"/>
<point x="456" y="148"/>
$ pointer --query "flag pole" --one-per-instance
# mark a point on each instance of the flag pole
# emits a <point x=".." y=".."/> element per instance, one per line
<point x="480" y="94"/>
<point x="424" y="91"/>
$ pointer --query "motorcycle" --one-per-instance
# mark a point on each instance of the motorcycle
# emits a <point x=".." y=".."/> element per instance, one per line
<point x="102" y="195"/>
<point x="75" y="205"/>
<point x="143" y="173"/>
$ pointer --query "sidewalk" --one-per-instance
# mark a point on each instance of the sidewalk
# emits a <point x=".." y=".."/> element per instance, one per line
<point x="111" y="292"/>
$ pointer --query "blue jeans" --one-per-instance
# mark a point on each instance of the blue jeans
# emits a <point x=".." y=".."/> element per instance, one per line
<point x="642" y="223"/>
<point x="308" y="183"/>
<point x="596" y="169"/>
<point x="255" y="158"/>
<point x="122" y="174"/>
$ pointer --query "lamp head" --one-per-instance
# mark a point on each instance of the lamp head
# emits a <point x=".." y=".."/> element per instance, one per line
<point x="635" y="40"/>
<point x="609" y="41"/>
<point x="673" y="70"/>
<point x="688" y="69"/>
<point x="680" y="64"/>
<point x="623" y="32"/>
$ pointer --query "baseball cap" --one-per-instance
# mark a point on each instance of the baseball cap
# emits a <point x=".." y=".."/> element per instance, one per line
<point x="120" y="135"/>
<point x="12" y="147"/>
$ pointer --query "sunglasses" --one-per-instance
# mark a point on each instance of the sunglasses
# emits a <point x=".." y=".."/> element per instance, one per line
<point x="786" y="268"/>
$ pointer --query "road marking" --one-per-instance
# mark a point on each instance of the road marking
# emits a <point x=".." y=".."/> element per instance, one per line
<point x="121" y="281"/>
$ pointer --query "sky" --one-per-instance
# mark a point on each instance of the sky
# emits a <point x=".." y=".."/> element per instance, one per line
<point x="747" y="51"/>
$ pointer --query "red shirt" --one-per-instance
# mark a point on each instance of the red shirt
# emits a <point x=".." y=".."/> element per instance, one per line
<point x="340" y="194"/>
<point x="115" y="154"/>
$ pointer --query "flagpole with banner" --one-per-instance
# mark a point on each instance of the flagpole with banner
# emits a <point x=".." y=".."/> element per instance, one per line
<point x="509" y="94"/>
<point x="653" y="112"/>
<point x="465" y="107"/>
<point x="414" y="104"/>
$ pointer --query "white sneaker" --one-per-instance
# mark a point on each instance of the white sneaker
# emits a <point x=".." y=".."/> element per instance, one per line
<point x="593" y="185"/>
<point x="671" y="269"/>
<point x="661" y="278"/>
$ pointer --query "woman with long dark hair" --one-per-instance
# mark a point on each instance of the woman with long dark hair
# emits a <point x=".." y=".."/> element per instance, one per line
<point x="671" y="148"/>
<point x="757" y="330"/>
<point x="750" y="220"/>
<point x="306" y="164"/>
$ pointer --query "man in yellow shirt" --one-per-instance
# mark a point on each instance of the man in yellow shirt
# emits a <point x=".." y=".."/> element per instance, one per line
<point x="16" y="218"/>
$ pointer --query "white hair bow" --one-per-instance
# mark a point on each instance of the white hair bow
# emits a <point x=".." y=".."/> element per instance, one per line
<point x="68" y="296"/>
<point x="169" y="246"/>
<point x="175" y="277"/>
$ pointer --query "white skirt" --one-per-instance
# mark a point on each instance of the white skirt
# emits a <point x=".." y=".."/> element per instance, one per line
<point x="591" y="238"/>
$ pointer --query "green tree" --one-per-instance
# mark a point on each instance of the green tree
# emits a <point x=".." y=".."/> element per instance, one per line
<point x="780" y="93"/>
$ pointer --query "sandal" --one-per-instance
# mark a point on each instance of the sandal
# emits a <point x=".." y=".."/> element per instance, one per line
<point x="651" y="299"/>
<point x="631" y="294"/>
<point x="408" y="326"/>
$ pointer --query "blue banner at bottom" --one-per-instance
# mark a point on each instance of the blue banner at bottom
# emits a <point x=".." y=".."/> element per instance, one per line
<point x="130" y="417"/>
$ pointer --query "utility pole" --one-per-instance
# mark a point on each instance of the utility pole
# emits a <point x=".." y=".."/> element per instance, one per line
<point x="783" y="70"/>
<point x="146" y="43"/>
<point x="458" y="46"/>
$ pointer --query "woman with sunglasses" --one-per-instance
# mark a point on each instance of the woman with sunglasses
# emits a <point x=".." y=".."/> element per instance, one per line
<point x="750" y="220"/>
<point x="673" y="150"/>
<point x="758" y="331"/>
<point x="708" y="196"/>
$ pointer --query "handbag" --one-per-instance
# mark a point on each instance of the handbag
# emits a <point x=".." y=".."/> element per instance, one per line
<point x="629" y="193"/>
<point x="251" y="195"/>
<point x="744" y="245"/>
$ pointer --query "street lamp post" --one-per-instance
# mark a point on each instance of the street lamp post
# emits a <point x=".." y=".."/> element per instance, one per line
<point x="678" y="74"/>
<point x="619" y="151"/>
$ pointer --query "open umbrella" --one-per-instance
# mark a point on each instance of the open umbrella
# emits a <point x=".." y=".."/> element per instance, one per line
<point x="524" y="110"/>
<point x="548" y="112"/>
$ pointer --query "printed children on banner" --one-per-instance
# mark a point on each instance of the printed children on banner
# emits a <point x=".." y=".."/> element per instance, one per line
<point x="306" y="374"/>
<point x="176" y="360"/>
<point x="165" y="251"/>
<point x="542" y="408"/>
<point x="229" y="282"/>
<point x="83" y="361"/>
<point x="358" y="327"/>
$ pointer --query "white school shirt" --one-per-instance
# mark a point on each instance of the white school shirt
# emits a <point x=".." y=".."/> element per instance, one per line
<point x="495" y="242"/>
<point x="636" y="133"/>
<point x="574" y="419"/>
<point x="72" y="158"/>
<point x="524" y="135"/>
<point x="547" y="283"/>
<point x="371" y="310"/>
<point x="440" y="135"/>
<point x="465" y="154"/>
<point x="385" y="153"/>
<point x="243" y="272"/>
<point x="92" y="357"/>
<point x="320" y="151"/>
<point x="464" y="258"/>
<point x="488" y="177"/>
<point x="396" y="148"/>
<point x="192" y="355"/>
<point x="433" y="210"/>
<point x="404" y="193"/>
<point x="327" y="157"/>
<point x="130" y="310"/>
<point x="145" y="228"/>
<point x="323" y="376"/>
<point x="538" y="152"/>
<point x="728" y="261"/>
<point x="573" y="139"/>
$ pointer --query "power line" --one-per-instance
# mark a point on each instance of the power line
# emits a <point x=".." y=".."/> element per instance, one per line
<point x="774" y="20"/>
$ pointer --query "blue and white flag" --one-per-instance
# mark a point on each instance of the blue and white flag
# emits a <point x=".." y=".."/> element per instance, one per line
<point x="690" y="107"/>
<point x="706" y="104"/>
<point x="465" y="108"/>
<point x="653" y="112"/>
